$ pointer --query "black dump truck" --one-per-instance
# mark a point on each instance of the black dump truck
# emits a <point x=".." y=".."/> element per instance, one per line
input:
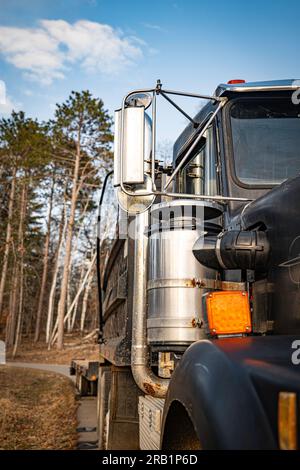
<point x="199" y="274"/>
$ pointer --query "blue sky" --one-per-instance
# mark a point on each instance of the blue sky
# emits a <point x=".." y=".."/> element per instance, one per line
<point x="48" y="48"/>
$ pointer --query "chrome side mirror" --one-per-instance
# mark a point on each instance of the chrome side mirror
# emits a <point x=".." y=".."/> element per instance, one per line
<point x="129" y="157"/>
<point x="132" y="154"/>
<point x="132" y="146"/>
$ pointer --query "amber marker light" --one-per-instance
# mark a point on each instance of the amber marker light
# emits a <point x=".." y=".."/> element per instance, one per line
<point x="228" y="312"/>
<point x="287" y="421"/>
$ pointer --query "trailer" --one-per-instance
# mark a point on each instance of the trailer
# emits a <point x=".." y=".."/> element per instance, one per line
<point x="199" y="274"/>
<point x="86" y="376"/>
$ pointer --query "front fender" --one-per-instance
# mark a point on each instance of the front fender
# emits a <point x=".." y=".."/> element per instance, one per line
<point x="220" y="400"/>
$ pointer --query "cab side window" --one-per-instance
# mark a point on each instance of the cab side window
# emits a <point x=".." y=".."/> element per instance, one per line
<point x="199" y="176"/>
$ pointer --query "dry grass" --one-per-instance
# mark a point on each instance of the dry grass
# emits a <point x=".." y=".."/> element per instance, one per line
<point x="37" y="410"/>
<point x="38" y="352"/>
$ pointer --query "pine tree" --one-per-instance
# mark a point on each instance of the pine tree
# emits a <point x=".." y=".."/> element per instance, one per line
<point x="26" y="146"/>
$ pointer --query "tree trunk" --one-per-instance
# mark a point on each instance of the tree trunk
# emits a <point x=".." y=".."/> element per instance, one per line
<point x="18" y="278"/>
<point x="77" y="302"/>
<point x="20" y="311"/>
<point x="68" y="306"/>
<point x="62" y="230"/>
<point x="85" y="300"/>
<point x="18" y="333"/>
<point x="74" y="250"/>
<point x="11" y="319"/>
<point x="7" y="238"/>
<point x="55" y="334"/>
<point x="45" y="266"/>
<point x="66" y="270"/>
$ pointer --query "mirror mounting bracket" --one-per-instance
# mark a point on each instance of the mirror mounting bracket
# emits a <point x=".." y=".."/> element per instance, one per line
<point x="217" y="100"/>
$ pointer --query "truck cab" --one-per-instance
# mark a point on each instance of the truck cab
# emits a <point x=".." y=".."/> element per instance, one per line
<point x="199" y="274"/>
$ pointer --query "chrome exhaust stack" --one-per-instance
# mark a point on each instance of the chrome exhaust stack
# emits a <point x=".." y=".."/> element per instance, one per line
<point x="144" y="377"/>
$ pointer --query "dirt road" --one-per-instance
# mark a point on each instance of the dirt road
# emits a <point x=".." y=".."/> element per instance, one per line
<point x="57" y="368"/>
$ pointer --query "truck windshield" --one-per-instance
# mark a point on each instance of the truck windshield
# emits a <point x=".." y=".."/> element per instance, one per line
<point x="266" y="140"/>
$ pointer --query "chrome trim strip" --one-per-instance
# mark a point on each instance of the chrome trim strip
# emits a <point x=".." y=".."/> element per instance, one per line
<point x="245" y="89"/>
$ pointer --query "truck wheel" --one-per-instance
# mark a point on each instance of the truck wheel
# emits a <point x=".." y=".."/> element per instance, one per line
<point x="184" y="439"/>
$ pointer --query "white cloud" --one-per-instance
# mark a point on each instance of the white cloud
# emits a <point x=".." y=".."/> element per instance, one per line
<point x="2" y="92"/>
<point x="28" y="92"/>
<point x="156" y="27"/>
<point x="46" y="52"/>
<point x="8" y="106"/>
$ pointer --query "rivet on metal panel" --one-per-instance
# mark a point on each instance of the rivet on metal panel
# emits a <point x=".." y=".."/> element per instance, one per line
<point x="150" y="418"/>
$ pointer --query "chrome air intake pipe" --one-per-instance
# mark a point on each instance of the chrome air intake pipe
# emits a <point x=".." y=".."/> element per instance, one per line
<point x="145" y="379"/>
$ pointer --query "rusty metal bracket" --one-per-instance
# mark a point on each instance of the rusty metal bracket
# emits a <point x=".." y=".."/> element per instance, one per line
<point x="213" y="284"/>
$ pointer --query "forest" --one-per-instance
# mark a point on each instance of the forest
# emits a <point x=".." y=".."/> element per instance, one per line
<point x="50" y="177"/>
